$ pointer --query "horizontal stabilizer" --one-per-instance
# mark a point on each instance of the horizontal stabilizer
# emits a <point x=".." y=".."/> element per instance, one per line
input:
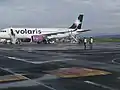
<point x="84" y="30"/>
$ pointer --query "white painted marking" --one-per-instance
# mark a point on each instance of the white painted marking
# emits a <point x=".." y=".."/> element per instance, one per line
<point x="42" y="62"/>
<point x="37" y="62"/>
<point x="19" y="59"/>
<point x="114" y="60"/>
<point x="47" y="77"/>
<point x="100" y="85"/>
<point x="118" y="77"/>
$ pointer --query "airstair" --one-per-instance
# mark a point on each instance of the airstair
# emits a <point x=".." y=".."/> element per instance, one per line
<point x="73" y="38"/>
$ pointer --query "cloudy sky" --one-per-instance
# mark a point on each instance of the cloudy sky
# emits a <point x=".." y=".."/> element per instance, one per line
<point x="102" y="16"/>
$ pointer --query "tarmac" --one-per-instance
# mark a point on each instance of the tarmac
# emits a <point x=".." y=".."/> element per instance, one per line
<point x="46" y="66"/>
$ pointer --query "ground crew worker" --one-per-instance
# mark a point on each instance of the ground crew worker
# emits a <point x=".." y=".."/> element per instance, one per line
<point x="91" y="42"/>
<point x="85" y="43"/>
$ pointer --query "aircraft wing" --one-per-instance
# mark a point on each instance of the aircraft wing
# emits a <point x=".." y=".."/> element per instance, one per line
<point x="55" y="33"/>
<point x="78" y="30"/>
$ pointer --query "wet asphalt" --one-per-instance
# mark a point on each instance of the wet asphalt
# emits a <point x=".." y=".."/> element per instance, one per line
<point x="32" y="61"/>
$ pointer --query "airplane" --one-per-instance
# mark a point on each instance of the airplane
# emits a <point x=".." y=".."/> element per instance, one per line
<point x="41" y="34"/>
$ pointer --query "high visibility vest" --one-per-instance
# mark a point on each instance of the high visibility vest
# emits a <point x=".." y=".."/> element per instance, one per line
<point x="91" y="40"/>
<point x="85" y="40"/>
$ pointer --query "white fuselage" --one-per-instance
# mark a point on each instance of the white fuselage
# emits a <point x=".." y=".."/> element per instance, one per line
<point x="28" y="32"/>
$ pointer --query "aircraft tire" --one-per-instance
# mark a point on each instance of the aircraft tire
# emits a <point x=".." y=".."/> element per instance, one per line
<point x="49" y="41"/>
<point x="4" y="42"/>
<point x="38" y="42"/>
<point x="45" y="41"/>
<point x="10" y="43"/>
<point x="18" y="41"/>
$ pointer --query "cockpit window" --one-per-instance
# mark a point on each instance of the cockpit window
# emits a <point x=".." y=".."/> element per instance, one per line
<point x="3" y="31"/>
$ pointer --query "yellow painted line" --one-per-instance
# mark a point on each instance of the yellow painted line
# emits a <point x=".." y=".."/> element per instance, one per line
<point x="78" y="72"/>
<point x="9" y="78"/>
<point x="88" y="74"/>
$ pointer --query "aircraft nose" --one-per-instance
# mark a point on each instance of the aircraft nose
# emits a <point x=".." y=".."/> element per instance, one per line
<point x="3" y="35"/>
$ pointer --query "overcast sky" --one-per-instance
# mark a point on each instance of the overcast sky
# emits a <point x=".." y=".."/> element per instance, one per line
<point x="102" y="16"/>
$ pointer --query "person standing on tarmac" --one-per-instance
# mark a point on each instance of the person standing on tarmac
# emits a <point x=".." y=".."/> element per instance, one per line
<point x="85" y="43"/>
<point x="91" y="42"/>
